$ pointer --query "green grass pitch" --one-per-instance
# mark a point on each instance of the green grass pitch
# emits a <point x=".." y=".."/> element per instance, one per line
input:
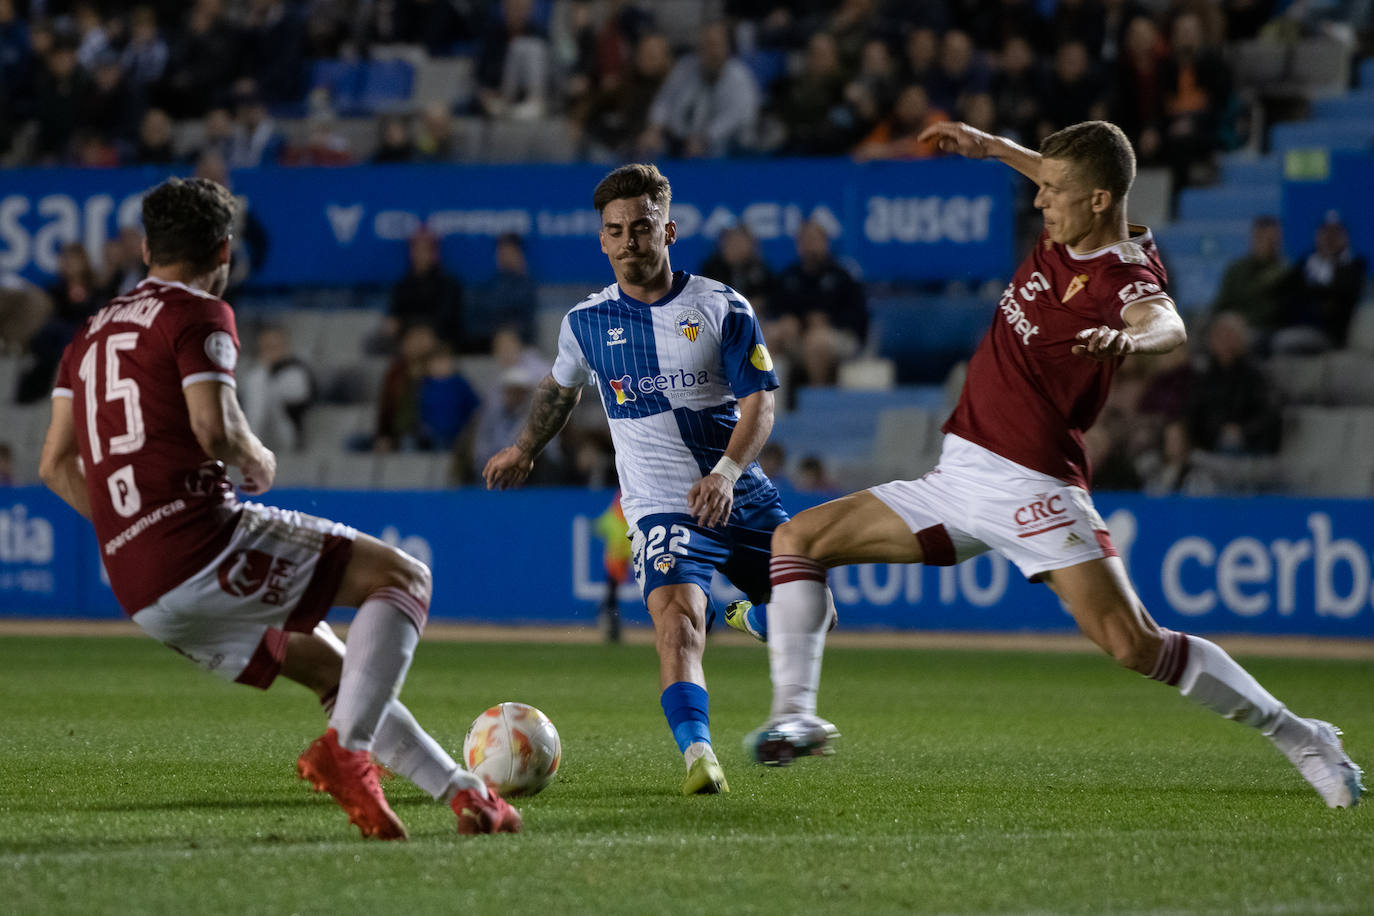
<point x="966" y="782"/>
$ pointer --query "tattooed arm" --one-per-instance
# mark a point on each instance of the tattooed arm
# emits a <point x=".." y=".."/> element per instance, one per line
<point x="549" y="413"/>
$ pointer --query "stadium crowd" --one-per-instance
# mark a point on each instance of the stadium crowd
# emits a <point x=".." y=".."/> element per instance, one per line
<point x="96" y="84"/>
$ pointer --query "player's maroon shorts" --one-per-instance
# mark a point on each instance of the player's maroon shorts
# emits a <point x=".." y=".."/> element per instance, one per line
<point x="279" y="573"/>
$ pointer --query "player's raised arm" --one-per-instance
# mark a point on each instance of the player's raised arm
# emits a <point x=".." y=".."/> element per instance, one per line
<point x="972" y="143"/>
<point x="549" y="413"/>
<point x="1152" y="326"/>
<point x="59" y="466"/>
<point x="223" y="432"/>
<point x="712" y="497"/>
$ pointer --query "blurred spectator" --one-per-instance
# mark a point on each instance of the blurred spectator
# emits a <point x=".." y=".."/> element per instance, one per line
<point x="1232" y="408"/>
<point x="1138" y="91"/>
<point x="850" y="26"/>
<point x="145" y="56"/>
<point x="513" y="64"/>
<point x="737" y="263"/>
<point x="1116" y="22"/>
<point x="323" y="146"/>
<point x="434" y="137"/>
<point x="709" y="105"/>
<point x="122" y="267"/>
<point x="24" y="308"/>
<point x="219" y="134"/>
<point x="393" y="140"/>
<point x="898" y="136"/>
<point x="1108" y="451"/>
<point x="1016" y="89"/>
<point x="812" y="476"/>
<point x="154" y="146"/>
<point x="427" y="294"/>
<point x="511" y="351"/>
<point x="436" y="24"/>
<point x="1173" y="468"/>
<point x="1196" y="88"/>
<point x="991" y="22"/>
<point x="1255" y="285"/>
<point x="250" y="242"/>
<point x="1072" y="92"/>
<point x="961" y="70"/>
<point x="75" y="296"/>
<point x="329" y="29"/>
<point x="1079" y="20"/>
<point x="977" y="109"/>
<point x="503" y="416"/>
<point x="874" y="87"/>
<point x="1323" y="290"/>
<point x="62" y="90"/>
<point x="598" y="57"/>
<point x="398" y="408"/>
<point x="92" y="40"/>
<point x="921" y="56"/>
<point x="811" y="104"/>
<point x="202" y="62"/>
<point x="1164" y="396"/>
<point x="273" y="38"/>
<point x="820" y="312"/>
<point x="111" y="109"/>
<point x="507" y="299"/>
<point x="617" y="112"/>
<point x="256" y="138"/>
<point x="773" y="462"/>
<point x="277" y="390"/>
<point x="6" y="465"/>
<point x="15" y="52"/>
<point x="447" y="401"/>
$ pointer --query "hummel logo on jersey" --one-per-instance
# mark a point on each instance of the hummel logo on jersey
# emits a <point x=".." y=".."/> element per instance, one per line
<point x="623" y="388"/>
<point x="1073" y="540"/>
<point x="615" y="336"/>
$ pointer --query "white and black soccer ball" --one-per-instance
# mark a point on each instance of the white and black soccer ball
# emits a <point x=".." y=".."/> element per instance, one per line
<point x="514" y="748"/>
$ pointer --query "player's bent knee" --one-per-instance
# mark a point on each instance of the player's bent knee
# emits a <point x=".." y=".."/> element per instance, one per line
<point x="794" y="538"/>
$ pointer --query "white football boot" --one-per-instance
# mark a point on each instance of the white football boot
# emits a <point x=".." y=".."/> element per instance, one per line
<point x="780" y="741"/>
<point x="1324" y="763"/>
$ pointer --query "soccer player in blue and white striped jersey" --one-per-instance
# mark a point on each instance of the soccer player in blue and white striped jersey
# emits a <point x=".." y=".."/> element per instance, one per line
<point x="687" y="384"/>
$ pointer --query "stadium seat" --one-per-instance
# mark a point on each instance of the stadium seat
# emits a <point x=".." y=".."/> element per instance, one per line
<point x="447" y="80"/>
<point x="1329" y="451"/>
<point x="907" y="443"/>
<point x="1259" y="64"/>
<point x="349" y="471"/>
<point x="1193" y="279"/>
<point x="341" y="337"/>
<point x="1150" y="197"/>
<point x="867" y="373"/>
<point x="925" y="336"/>
<point x="1349" y="378"/>
<point x="329" y="427"/>
<point x="341" y="79"/>
<point x="1352" y="105"/>
<point x="1299" y="379"/>
<point x="1361" y="338"/>
<point x="413" y="470"/>
<point x="299" y="469"/>
<point x="1330" y="135"/>
<point x="1228" y="203"/>
<point x="1319" y="67"/>
<point x="1366" y="78"/>
<point x="680" y="21"/>
<point x="385" y="86"/>
<point x="767" y="64"/>
<point x="1250" y="170"/>
<point x="542" y="140"/>
<point x="1226" y="239"/>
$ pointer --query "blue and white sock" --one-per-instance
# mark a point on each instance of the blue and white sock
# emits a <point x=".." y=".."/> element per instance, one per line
<point x="687" y="707"/>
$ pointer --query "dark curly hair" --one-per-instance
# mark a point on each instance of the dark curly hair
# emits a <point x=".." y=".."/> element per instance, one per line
<point x="185" y="220"/>
<point x="630" y="181"/>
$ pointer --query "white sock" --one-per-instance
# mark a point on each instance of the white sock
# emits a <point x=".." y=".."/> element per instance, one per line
<point x="381" y="643"/>
<point x="798" y="614"/>
<point x="697" y="749"/>
<point x="1205" y="674"/>
<point x="402" y="745"/>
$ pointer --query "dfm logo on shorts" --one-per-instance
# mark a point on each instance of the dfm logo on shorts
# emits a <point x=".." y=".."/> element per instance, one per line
<point x="245" y="572"/>
<point x="673" y="384"/>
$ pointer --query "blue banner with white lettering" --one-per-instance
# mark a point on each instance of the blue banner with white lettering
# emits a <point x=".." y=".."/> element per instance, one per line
<point x="928" y="220"/>
<point x="1280" y="566"/>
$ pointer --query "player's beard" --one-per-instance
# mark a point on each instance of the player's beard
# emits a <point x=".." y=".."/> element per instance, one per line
<point x="641" y="270"/>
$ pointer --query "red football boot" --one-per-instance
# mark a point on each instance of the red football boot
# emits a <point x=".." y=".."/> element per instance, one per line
<point x="484" y="815"/>
<point x="351" y="778"/>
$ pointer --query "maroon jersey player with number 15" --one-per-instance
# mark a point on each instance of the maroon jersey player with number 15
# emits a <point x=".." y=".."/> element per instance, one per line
<point x="144" y="422"/>
<point x="1013" y="474"/>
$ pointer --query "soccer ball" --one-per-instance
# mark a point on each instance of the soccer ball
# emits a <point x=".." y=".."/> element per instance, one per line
<point x="514" y="748"/>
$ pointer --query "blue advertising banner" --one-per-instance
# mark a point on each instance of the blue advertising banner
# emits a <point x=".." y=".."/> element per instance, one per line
<point x="337" y="227"/>
<point x="1345" y="187"/>
<point x="1279" y="566"/>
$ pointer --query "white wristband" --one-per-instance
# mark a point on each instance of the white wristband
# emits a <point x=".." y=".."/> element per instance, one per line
<point x="727" y="469"/>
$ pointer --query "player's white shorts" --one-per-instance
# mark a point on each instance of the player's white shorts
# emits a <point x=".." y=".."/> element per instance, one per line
<point x="279" y="573"/>
<point x="976" y="500"/>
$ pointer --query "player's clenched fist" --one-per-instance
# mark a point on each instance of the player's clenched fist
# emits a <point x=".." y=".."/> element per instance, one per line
<point x="507" y="468"/>
<point x="1103" y="343"/>
<point x="957" y="137"/>
<point x="259" y="472"/>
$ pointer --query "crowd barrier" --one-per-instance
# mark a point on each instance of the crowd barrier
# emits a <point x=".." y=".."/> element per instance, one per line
<point x="348" y="226"/>
<point x="1274" y="565"/>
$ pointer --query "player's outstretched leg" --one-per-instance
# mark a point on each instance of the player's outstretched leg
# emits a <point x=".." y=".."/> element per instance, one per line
<point x="1206" y="674"/>
<point x="679" y="613"/>
<point x="798" y="619"/>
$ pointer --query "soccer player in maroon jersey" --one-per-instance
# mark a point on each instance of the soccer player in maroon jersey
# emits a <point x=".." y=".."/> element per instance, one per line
<point x="1013" y="474"/>
<point x="144" y="422"/>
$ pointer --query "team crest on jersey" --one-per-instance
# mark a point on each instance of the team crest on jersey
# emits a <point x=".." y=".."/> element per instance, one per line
<point x="759" y="358"/>
<point x="615" y="336"/>
<point x="689" y="323"/>
<point x="1076" y="284"/>
<point x="1131" y="253"/>
<point x="219" y="346"/>
<point x="665" y="562"/>
<point x="623" y="388"/>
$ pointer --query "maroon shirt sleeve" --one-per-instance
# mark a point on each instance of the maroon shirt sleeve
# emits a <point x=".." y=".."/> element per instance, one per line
<point x="65" y="384"/>
<point x="206" y="343"/>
